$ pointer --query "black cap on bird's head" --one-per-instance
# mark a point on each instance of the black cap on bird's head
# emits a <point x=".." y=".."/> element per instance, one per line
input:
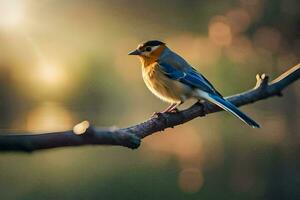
<point x="153" y="43"/>
<point x="147" y="47"/>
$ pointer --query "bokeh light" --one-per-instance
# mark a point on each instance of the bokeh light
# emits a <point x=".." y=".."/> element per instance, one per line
<point x="220" y="32"/>
<point x="50" y="75"/>
<point x="190" y="180"/>
<point x="49" y="116"/>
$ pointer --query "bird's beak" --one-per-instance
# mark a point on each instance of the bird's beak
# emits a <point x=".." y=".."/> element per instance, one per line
<point x="135" y="52"/>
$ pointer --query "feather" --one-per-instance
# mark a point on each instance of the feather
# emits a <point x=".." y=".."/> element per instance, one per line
<point x="189" y="77"/>
<point x="226" y="105"/>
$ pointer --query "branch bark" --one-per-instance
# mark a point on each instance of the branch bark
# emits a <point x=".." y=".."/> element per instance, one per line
<point x="131" y="137"/>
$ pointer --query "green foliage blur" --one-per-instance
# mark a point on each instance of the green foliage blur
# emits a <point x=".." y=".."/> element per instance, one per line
<point x="62" y="62"/>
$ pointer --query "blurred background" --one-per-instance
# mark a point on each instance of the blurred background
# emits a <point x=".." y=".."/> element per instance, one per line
<point x="62" y="62"/>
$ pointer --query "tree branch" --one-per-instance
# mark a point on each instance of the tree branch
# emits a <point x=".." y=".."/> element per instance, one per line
<point x="84" y="134"/>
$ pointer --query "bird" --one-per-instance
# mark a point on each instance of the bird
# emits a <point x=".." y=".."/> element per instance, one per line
<point x="172" y="79"/>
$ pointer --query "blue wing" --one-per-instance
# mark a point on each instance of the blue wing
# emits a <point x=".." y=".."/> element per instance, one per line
<point x="189" y="77"/>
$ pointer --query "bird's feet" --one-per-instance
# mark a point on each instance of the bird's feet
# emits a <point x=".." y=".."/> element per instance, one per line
<point x="175" y="110"/>
<point x="157" y="114"/>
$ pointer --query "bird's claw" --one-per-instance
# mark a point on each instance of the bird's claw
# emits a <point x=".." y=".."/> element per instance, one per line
<point x="175" y="110"/>
<point x="156" y="114"/>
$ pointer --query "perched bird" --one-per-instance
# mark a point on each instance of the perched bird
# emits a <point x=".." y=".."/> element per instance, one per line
<point x="172" y="79"/>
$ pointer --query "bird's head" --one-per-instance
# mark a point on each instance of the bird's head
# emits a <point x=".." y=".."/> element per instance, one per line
<point x="149" y="50"/>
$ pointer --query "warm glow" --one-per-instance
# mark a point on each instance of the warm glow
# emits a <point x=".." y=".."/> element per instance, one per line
<point x="48" y="72"/>
<point x="11" y="13"/>
<point x="49" y="117"/>
<point x="51" y="75"/>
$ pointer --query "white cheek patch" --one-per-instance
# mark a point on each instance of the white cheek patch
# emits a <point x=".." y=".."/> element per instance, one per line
<point x="154" y="48"/>
<point x="147" y="53"/>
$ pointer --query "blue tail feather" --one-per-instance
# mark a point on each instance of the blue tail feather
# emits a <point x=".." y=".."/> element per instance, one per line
<point x="226" y="105"/>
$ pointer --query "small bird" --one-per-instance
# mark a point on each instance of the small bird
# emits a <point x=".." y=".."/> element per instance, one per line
<point x="169" y="77"/>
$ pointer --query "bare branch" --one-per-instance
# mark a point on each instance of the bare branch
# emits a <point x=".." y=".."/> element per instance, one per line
<point x="131" y="137"/>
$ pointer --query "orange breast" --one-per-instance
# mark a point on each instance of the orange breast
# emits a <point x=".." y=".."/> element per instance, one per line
<point x="168" y="90"/>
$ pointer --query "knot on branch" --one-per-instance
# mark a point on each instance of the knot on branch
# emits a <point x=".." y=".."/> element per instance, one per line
<point x="127" y="139"/>
<point x="261" y="81"/>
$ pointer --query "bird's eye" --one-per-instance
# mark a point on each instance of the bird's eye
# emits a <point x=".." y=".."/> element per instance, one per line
<point x="148" y="49"/>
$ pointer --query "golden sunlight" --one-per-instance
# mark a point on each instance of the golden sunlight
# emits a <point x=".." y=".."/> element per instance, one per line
<point x="49" y="116"/>
<point x="48" y="72"/>
<point x="50" y="75"/>
<point x="12" y="13"/>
